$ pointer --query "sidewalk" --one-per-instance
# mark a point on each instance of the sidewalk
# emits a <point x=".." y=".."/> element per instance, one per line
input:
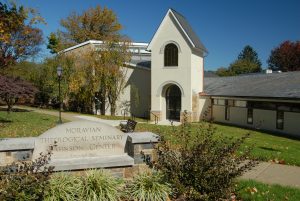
<point x="271" y="173"/>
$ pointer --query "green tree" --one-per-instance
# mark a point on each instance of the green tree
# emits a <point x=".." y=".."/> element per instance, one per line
<point x="223" y="72"/>
<point x="101" y="73"/>
<point x="93" y="24"/>
<point x="250" y="55"/>
<point x="285" y="57"/>
<point x="247" y="62"/>
<point x="54" y="43"/>
<point x="18" y="38"/>
<point x="243" y="66"/>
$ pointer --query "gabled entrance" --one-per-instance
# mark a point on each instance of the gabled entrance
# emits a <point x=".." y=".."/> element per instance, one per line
<point x="173" y="102"/>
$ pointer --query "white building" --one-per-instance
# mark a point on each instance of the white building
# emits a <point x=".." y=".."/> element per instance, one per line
<point x="168" y="76"/>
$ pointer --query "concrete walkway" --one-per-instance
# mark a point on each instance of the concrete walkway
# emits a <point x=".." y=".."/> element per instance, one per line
<point x="264" y="172"/>
<point x="167" y="123"/>
<point x="272" y="173"/>
<point x="69" y="116"/>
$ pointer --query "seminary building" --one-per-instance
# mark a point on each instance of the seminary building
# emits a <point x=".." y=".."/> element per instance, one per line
<point x="168" y="76"/>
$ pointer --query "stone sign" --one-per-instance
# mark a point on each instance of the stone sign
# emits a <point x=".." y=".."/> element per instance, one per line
<point x="80" y="141"/>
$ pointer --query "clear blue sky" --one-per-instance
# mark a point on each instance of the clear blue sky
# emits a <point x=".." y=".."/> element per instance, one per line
<point x="224" y="27"/>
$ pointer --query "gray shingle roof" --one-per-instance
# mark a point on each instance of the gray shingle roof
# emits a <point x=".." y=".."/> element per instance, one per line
<point x="189" y="31"/>
<point x="275" y="85"/>
<point x="141" y="61"/>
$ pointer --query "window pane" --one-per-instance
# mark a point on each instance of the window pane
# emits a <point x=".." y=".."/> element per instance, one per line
<point x="280" y="120"/>
<point x="239" y="103"/>
<point x="171" y="55"/>
<point x="221" y="102"/>
<point x="227" y="113"/>
<point x="250" y="116"/>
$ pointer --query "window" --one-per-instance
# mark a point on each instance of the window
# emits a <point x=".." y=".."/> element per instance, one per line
<point x="219" y="102"/>
<point x="280" y="120"/>
<point x="227" y="112"/>
<point x="227" y="109"/>
<point x="171" y="55"/>
<point x="238" y="103"/>
<point x="250" y="116"/>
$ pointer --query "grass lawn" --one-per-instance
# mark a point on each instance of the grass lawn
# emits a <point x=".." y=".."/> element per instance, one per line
<point x="23" y="123"/>
<point x="252" y="190"/>
<point x="265" y="146"/>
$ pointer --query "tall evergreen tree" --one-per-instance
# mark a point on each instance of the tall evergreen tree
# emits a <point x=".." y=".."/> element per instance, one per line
<point x="249" y="54"/>
<point x="247" y="62"/>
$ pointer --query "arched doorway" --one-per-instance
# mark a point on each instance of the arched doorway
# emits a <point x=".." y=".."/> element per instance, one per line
<point x="173" y="102"/>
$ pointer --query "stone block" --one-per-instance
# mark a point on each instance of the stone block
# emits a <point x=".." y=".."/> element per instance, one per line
<point x="11" y="144"/>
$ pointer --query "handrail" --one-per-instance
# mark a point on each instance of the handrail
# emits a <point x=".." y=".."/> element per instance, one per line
<point x="155" y="118"/>
<point x="124" y="112"/>
<point x="146" y="115"/>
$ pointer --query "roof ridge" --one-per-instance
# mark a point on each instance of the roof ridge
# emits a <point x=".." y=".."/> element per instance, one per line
<point x="173" y="10"/>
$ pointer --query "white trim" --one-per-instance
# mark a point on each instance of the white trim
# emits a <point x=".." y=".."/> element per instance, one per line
<point x="183" y="29"/>
<point x="160" y="88"/>
<point x="162" y="49"/>
<point x="155" y="35"/>
<point x="100" y="42"/>
<point x="82" y="44"/>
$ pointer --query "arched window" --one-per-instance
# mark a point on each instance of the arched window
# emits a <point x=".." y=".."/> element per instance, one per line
<point x="171" y="55"/>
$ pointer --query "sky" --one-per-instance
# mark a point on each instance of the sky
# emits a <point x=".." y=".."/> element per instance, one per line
<point x="223" y="26"/>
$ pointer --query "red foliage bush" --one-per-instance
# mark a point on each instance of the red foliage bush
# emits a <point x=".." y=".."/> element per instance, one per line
<point x="13" y="89"/>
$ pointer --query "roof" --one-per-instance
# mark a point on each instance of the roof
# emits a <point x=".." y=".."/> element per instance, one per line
<point x="133" y="44"/>
<point x="277" y="85"/>
<point x="186" y="29"/>
<point x="141" y="61"/>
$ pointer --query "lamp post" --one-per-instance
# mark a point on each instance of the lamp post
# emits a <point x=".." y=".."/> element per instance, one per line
<point x="59" y="71"/>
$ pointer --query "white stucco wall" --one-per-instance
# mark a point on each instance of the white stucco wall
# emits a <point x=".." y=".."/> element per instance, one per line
<point x="188" y="74"/>
<point x="204" y="108"/>
<point x="141" y="79"/>
<point x="292" y="123"/>
<point x="262" y="119"/>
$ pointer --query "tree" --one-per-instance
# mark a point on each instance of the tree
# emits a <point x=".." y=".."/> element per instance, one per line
<point x="286" y="57"/>
<point x="118" y="56"/>
<point x="100" y="73"/>
<point x="54" y="43"/>
<point x="93" y="24"/>
<point x="223" y="72"/>
<point x="247" y="62"/>
<point x="250" y="55"/>
<point x="18" y="39"/>
<point x="243" y="66"/>
<point x="201" y="166"/>
<point x="12" y="89"/>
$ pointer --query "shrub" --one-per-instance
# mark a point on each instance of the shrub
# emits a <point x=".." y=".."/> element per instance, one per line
<point x="148" y="186"/>
<point x="25" y="181"/>
<point x="201" y="166"/>
<point x="99" y="185"/>
<point x="64" y="186"/>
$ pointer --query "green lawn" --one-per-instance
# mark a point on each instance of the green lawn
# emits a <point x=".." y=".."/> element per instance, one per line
<point x="265" y="146"/>
<point x="24" y="123"/>
<point x="252" y="190"/>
